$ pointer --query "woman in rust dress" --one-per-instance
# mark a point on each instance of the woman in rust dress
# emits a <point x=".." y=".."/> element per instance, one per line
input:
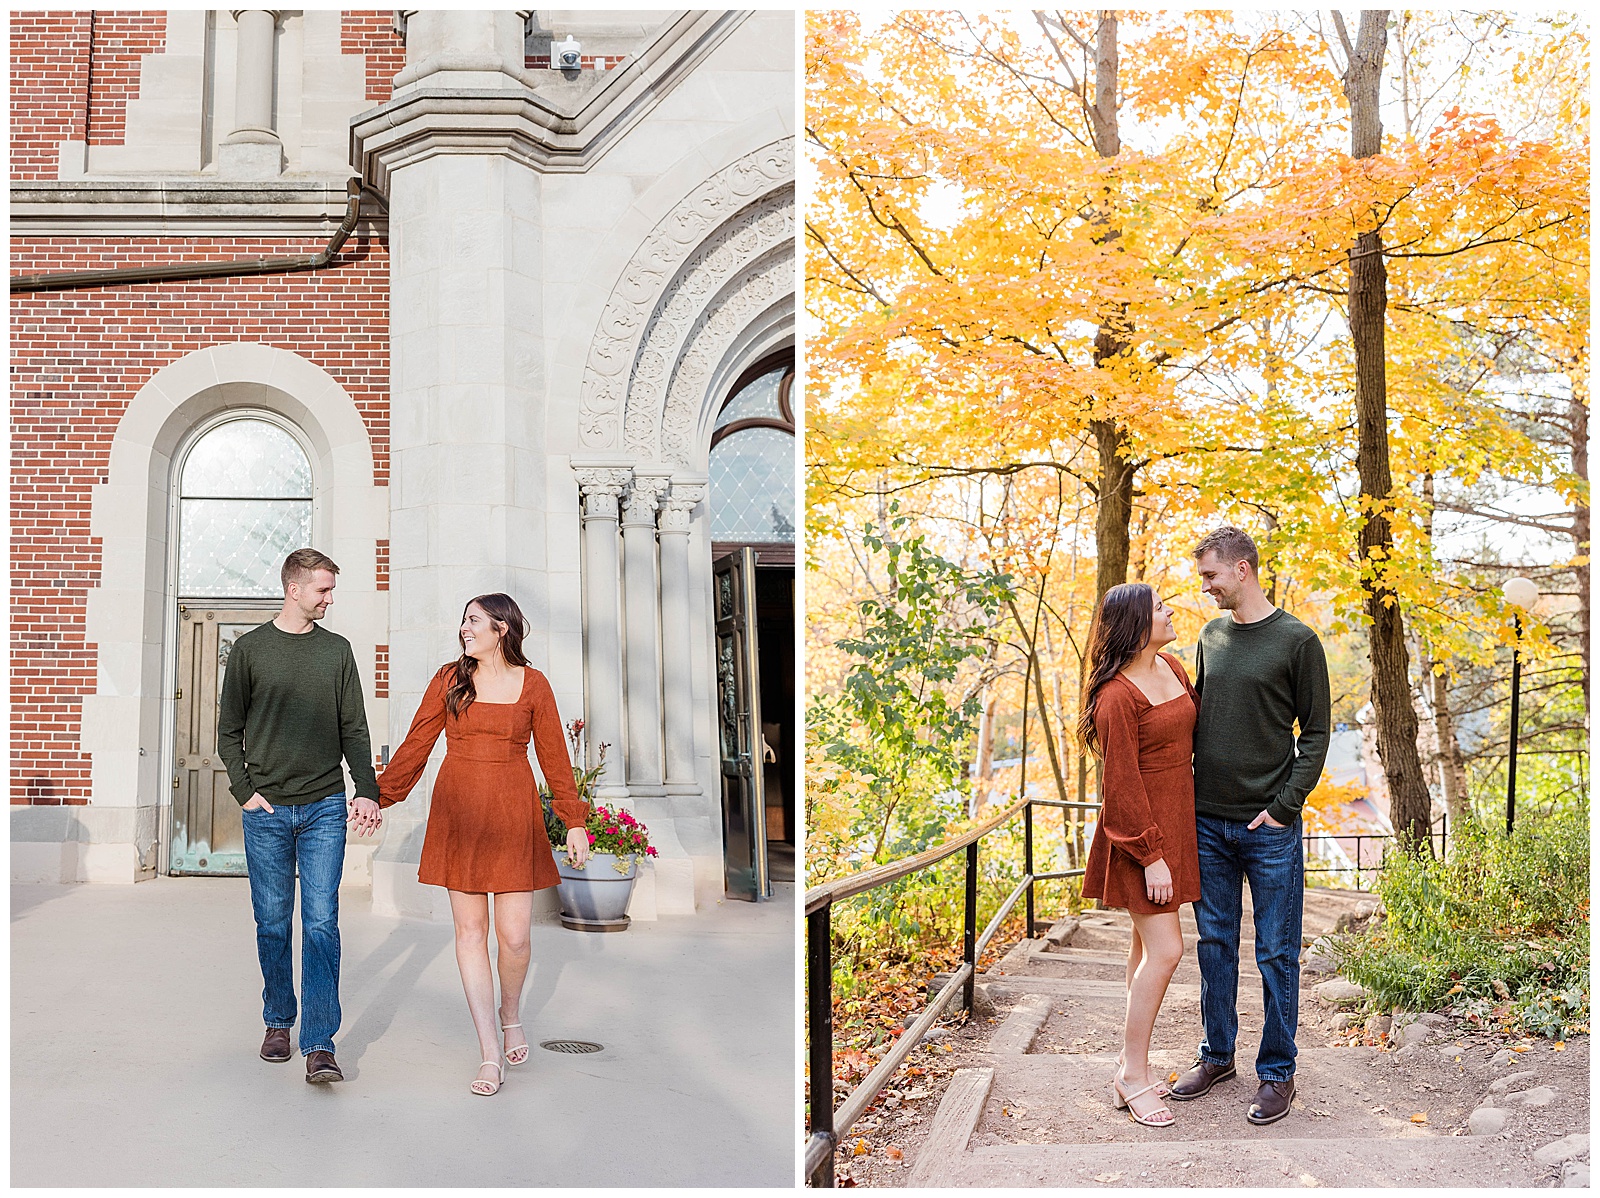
<point x="1139" y="715"/>
<point x="485" y="827"/>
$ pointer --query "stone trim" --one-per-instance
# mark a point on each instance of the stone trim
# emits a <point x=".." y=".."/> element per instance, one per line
<point x="83" y="208"/>
<point x="434" y="119"/>
<point x="127" y="721"/>
<point x="651" y="270"/>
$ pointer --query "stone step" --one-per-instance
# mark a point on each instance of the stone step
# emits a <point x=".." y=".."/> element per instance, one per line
<point x="1340" y="1092"/>
<point x="1412" y="1162"/>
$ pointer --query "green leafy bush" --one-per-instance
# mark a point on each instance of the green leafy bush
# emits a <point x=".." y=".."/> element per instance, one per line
<point x="1502" y="925"/>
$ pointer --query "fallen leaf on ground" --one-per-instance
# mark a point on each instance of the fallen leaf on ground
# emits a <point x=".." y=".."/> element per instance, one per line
<point x="1559" y="1046"/>
<point x="1307" y="1180"/>
<point x="1419" y="1117"/>
<point x="893" y="1153"/>
<point x="1108" y="1176"/>
<point x="861" y="1148"/>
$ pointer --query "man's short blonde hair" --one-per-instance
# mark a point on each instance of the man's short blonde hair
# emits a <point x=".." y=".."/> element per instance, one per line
<point x="300" y="565"/>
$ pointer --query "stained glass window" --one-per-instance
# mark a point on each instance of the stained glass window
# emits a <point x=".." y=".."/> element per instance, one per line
<point x="245" y="505"/>
<point x="752" y="466"/>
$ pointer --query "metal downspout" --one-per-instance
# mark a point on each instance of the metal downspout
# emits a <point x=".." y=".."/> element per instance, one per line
<point x="204" y="270"/>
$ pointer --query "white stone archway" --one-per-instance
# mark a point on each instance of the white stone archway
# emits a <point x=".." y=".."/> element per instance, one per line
<point x="130" y="616"/>
<point x="709" y="291"/>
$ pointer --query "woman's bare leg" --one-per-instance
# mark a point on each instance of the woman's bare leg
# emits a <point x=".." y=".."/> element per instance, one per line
<point x="513" y="916"/>
<point x="1162" y="941"/>
<point x="471" y="915"/>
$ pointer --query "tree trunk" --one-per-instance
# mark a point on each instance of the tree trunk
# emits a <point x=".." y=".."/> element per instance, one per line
<point x="1112" y="514"/>
<point x="1447" y="752"/>
<point x="1580" y="517"/>
<point x="1409" y="800"/>
<point x="983" y="781"/>
<point x="1452" y="769"/>
<point x="1115" y="484"/>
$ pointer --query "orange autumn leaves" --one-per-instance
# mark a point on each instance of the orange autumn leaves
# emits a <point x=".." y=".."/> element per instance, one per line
<point x="965" y="245"/>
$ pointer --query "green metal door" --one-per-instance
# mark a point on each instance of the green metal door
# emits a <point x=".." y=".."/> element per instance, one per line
<point x="744" y="822"/>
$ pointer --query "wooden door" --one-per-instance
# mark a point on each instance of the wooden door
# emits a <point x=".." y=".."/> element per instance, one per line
<point x="207" y="831"/>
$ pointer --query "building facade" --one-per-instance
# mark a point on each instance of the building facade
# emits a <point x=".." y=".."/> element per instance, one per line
<point x="551" y="353"/>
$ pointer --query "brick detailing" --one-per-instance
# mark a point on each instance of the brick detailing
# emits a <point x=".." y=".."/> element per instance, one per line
<point x="589" y="62"/>
<point x="72" y="75"/>
<point x="121" y="40"/>
<point x="77" y="359"/>
<point x="380" y="673"/>
<point x="49" y="88"/>
<point x="372" y="34"/>
<point x="383" y="565"/>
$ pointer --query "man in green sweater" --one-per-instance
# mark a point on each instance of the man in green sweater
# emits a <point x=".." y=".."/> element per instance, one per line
<point x="291" y="711"/>
<point x="1259" y="672"/>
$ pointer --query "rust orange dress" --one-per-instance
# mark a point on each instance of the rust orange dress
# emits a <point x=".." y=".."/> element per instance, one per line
<point x="485" y="827"/>
<point x="1147" y="795"/>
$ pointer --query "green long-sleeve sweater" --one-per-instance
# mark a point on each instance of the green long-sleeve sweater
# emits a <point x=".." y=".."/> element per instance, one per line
<point x="1255" y="681"/>
<point x="291" y="709"/>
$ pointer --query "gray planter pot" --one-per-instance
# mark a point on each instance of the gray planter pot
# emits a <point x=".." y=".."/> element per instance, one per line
<point x="595" y="898"/>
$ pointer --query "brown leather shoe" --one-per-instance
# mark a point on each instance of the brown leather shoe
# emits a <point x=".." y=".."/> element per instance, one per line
<point x="275" y="1047"/>
<point x="1272" y="1102"/>
<point x="321" y="1067"/>
<point x="1199" y="1080"/>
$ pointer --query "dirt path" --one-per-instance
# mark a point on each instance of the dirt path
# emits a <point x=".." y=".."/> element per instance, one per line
<point x="1365" y="1113"/>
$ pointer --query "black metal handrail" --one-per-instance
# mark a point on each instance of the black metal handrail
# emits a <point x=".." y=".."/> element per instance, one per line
<point x="828" y="1124"/>
<point x="1442" y="836"/>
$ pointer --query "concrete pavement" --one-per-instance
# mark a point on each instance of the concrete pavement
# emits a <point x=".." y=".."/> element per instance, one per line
<point x="136" y="1023"/>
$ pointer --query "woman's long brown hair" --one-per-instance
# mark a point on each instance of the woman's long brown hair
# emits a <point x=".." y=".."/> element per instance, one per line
<point x="507" y="616"/>
<point x="1121" y="627"/>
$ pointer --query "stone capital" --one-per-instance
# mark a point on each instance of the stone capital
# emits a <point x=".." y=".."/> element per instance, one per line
<point x="601" y="488"/>
<point x="644" y="496"/>
<point x="677" y="506"/>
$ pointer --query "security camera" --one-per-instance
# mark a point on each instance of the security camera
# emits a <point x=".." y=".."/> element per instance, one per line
<point x="564" y="55"/>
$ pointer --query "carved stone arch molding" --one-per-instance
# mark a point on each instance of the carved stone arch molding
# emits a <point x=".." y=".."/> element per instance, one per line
<point x="125" y="721"/>
<point x="678" y="270"/>
<point x="761" y="297"/>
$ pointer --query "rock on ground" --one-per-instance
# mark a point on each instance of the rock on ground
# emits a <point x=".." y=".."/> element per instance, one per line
<point x="1339" y="991"/>
<point x="1564" y="1149"/>
<point x="1487" y="1121"/>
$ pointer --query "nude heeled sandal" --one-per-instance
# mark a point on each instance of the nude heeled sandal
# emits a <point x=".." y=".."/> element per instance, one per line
<point x="490" y="1087"/>
<point x="1120" y="1100"/>
<point x="511" y="1053"/>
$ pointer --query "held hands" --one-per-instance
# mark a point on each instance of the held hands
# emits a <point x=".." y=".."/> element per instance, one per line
<point x="258" y="802"/>
<point x="577" y="846"/>
<point x="1264" y="818"/>
<point x="365" y="817"/>
<point x="1158" y="881"/>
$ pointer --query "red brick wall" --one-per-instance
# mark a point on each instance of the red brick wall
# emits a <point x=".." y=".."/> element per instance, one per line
<point x="372" y="34"/>
<point x="120" y="40"/>
<point x="49" y="88"/>
<point x="77" y="359"/>
<point x="383" y="564"/>
<point x="380" y="672"/>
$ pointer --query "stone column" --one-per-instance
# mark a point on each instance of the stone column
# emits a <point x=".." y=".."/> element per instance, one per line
<point x="676" y="641"/>
<point x="600" y="489"/>
<point x="470" y="494"/>
<point x="641" y="603"/>
<point x="252" y="150"/>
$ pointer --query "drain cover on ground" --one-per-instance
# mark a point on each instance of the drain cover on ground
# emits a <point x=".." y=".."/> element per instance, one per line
<point x="571" y="1045"/>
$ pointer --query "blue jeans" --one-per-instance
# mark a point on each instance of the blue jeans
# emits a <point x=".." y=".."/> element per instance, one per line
<point x="310" y="835"/>
<point x="1271" y="859"/>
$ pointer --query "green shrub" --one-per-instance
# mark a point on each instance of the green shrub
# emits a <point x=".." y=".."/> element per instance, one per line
<point x="1503" y="924"/>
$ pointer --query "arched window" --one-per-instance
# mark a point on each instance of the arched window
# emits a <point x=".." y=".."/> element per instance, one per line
<point x="244" y="505"/>
<point x="752" y="499"/>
